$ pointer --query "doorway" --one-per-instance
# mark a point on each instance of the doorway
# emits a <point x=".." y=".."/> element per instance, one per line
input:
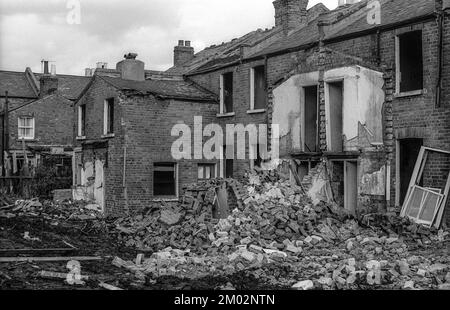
<point x="335" y="102"/>
<point x="408" y="151"/>
<point x="310" y="121"/>
<point x="351" y="186"/>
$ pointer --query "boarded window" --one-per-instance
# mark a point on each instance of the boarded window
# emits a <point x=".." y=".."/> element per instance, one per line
<point x="410" y="62"/>
<point x="259" y="88"/>
<point x="26" y="127"/>
<point x="206" y="171"/>
<point x="227" y="92"/>
<point x="164" y="179"/>
<point x="109" y="116"/>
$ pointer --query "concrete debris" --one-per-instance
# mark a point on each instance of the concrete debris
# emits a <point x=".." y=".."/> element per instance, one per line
<point x="273" y="234"/>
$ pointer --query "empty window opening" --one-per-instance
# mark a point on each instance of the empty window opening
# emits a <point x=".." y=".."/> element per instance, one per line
<point x="408" y="151"/>
<point x="336" y="92"/>
<point x="109" y="116"/>
<point x="228" y="163"/>
<point x="311" y="137"/>
<point x="82" y="120"/>
<point x="410" y="62"/>
<point x="206" y="171"/>
<point x="227" y="93"/>
<point x="164" y="179"/>
<point x="258" y="90"/>
<point x="26" y="128"/>
<point x="256" y="156"/>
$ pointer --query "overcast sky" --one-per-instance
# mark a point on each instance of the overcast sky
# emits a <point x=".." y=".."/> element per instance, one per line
<point x="32" y="30"/>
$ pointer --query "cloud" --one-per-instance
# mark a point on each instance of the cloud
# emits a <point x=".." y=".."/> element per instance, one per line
<point x="38" y="29"/>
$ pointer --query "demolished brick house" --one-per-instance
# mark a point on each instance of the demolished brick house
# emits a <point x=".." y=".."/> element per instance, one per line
<point x="37" y="123"/>
<point x="123" y="142"/>
<point x="356" y="92"/>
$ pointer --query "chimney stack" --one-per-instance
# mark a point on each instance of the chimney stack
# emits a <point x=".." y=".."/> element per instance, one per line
<point x="290" y="14"/>
<point x="347" y="2"/>
<point x="48" y="84"/>
<point x="131" y="69"/>
<point x="182" y="53"/>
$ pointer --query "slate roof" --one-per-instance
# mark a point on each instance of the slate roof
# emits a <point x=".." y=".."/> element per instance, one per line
<point x="351" y="19"/>
<point x="70" y="86"/>
<point x="177" y="89"/>
<point x="16" y="84"/>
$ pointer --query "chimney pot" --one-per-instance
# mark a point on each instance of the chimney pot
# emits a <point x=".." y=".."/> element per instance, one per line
<point x="180" y="43"/>
<point x="187" y="43"/>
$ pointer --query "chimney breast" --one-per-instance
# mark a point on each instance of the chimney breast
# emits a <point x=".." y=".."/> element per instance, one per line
<point x="182" y="53"/>
<point x="290" y="14"/>
<point x="131" y="69"/>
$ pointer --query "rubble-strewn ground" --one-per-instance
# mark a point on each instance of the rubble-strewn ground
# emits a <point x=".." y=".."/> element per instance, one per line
<point x="273" y="238"/>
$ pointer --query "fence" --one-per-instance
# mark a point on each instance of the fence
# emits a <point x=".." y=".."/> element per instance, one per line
<point x="25" y="187"/>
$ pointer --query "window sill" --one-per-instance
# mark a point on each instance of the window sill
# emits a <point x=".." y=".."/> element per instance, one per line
<point x="27" y="139"/>
<point x="168" y="199"/>
<point x="81" y="138"/>
<point x="410" y="93"/>
<point x="108" y="136"/>
<point x="257" y="111"/>
<point x="231" y="114"/>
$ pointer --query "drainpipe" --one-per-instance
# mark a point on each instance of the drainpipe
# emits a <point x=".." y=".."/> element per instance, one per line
<point x="440" y="23"/>
<point x="5" y="133"/>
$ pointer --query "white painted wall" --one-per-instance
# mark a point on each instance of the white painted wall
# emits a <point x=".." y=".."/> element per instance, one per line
<point x="363" y="100"/>
<point x="288" y="106"/>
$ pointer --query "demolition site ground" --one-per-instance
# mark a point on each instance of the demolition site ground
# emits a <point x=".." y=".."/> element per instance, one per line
<point x="270" y="237"/>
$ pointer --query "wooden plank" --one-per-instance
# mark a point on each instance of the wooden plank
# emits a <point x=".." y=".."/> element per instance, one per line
<point x="109" y="287"/>
<point x="48" y="259"/>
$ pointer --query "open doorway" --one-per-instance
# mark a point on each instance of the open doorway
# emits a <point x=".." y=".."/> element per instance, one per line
<point x="344" y="183"/>
<point x="408" y="150"/>
<point x="335" y="103"/>
<point x="310" y="121"/>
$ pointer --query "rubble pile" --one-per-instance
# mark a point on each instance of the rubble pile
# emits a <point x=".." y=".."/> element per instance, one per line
<point x="274" y="224"/>
<point x="67" y="210"/>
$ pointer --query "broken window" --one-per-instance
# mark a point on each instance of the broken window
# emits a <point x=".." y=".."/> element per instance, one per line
<point x="425" y="205"/>
<point x="26" y="127"/>
<point x="409" y="62"/>
<point x="228" y="163"/>
<point x="206" y="171"/>
<point x="109" y="116"/>
<point x="407" y="155"/>
<point x="164" y="179"/>
<point x="258" y="88"/>
<point x="226" y="96"/>
<point x="82" y="120"/>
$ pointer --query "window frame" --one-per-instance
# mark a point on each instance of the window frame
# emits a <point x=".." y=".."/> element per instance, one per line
<point x="253" y="89"/>
<point x="222" y="93"/>
<point x="32" y="127"/>
<point x="82" y="121"/>
<point x="398" y="72"/>
<point x="108" y="121"/>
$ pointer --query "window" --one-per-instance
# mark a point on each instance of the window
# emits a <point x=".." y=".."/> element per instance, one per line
<point x="226" y="93"/>
<point x="409" y="62"/>
<point x="257" y="88"/>
<point x="164" y="179"/>
<point x="81" y="120"/>
<point x="206" y="171"/>
<point x="108" y="119"/>
<point x="26" y="128"/>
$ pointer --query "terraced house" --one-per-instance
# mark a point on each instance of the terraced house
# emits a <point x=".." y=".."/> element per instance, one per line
<point x="357" y="92"/>
<point x="37" y="125"/>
